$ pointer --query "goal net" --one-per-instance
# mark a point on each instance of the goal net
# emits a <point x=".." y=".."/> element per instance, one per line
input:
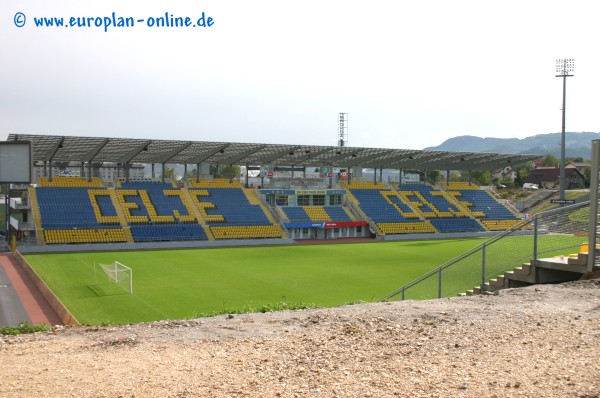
<point x="119" y="275"/>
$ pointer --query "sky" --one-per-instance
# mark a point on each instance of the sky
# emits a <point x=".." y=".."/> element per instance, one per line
<point x="409" y="74"/>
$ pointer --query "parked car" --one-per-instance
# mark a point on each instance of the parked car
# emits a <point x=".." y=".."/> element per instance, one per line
<point x="529" y="185"/>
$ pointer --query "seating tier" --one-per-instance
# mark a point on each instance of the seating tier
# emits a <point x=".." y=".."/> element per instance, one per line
<point x="485" y="206"/>
<point x="454" y="211"/>
<point x="229" y="206"/>
<point x="298" y="214"/>
<point x="74" y="208"/>
<point x="158" y="211"/>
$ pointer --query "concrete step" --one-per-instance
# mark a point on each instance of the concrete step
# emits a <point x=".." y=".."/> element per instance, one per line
<point x="521" y="277"/>
<point x="491" y="289"/>
<point x="577" y="259"/>
<point x="560" y="264"/>
<point x="524" y="269"/>
<point x="498" y="281"/>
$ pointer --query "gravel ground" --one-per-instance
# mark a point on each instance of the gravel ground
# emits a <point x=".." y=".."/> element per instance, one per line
<point x="540" y="341"/>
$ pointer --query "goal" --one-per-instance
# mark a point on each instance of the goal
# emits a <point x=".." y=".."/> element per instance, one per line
<point x="119" y="275"/>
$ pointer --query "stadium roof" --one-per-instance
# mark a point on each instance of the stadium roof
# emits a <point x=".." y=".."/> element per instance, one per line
<point x="59" y="148"/>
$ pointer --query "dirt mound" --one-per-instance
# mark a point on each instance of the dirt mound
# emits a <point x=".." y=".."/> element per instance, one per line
<point x="535" y="341"/>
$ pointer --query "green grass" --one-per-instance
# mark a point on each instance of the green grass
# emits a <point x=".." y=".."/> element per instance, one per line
<point x="175" y="284"/>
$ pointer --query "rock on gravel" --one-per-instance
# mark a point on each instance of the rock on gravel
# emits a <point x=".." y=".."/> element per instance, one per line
<point x="540" y="341"/>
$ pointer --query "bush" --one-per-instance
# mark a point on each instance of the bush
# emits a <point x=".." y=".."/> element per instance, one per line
<point x="23" y="327"/>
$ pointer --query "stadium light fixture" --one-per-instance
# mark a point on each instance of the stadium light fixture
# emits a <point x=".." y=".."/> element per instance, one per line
<point x="564" y="69"/>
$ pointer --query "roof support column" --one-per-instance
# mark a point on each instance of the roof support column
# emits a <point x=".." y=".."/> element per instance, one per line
<point x="399" y="177"/>
<point x="50" y="171"/>
<point x="90" y="170"/>
<point x="381" y="174"/>
<point x="197" y="172"/>
<point x="163" y="172"/>
<point x="247" y="175"/>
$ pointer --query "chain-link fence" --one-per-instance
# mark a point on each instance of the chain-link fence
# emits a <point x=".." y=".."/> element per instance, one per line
<point x="554" y="232"/>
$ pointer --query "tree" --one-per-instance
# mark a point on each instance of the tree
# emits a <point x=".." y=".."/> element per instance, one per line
<point x="170" y="173"/>
<point x="507" y="182"/>
<point x="433" y="176"/>
<point x="454" y="176"/>
<point x="189" y="175"/>
<point x="587" y="173"/>
<point x="550" y="161"/>
<point x="231" y="172"/>
<point x="522" y="172"/>
<point x="481" y="177"/>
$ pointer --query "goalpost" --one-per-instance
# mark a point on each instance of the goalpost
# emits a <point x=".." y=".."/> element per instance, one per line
<point x="119" y="274"/>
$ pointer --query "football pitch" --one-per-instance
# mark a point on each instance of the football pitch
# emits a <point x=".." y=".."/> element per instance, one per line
<point x="176" y="284"/>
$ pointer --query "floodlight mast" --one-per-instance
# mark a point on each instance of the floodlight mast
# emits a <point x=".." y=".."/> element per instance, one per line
<point x="343" y="129"/>
<point x="564" y="67"/>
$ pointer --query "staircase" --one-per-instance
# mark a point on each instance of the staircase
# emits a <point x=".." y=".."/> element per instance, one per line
<point x="353" y="204"/>
<point x="121" y="215"/>
<point x="254" y="199"/>
<point x="191" y="205"/>
<point x="546" y="270"/>
<point x="37" y="217"/>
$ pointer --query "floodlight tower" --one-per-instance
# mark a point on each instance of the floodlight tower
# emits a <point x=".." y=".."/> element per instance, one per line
<point x="564" y="67"/>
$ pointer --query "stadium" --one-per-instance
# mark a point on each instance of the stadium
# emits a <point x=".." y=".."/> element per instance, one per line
<point x="132" y="247"/>
<point x="225" y="288"/>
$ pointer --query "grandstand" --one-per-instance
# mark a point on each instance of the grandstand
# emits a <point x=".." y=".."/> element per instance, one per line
<point x="84" y="208"/>
<point x="71" y="210"/>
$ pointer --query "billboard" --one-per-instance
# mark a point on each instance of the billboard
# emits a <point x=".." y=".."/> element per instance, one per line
<point x="15" y="162"/>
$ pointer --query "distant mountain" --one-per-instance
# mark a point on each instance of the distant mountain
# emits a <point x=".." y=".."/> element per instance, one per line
<point x="577" y="144"/>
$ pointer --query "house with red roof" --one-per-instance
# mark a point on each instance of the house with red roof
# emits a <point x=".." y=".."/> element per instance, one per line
<point x="548" y="178"/>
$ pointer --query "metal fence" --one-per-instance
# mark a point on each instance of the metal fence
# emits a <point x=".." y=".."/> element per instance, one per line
<point x="547" y="234"/>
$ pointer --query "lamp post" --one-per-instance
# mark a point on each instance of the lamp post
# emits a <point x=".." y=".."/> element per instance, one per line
<point x="563" y="68"/>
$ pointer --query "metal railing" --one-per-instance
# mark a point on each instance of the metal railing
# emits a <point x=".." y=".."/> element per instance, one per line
<point x="546" y="234"/>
